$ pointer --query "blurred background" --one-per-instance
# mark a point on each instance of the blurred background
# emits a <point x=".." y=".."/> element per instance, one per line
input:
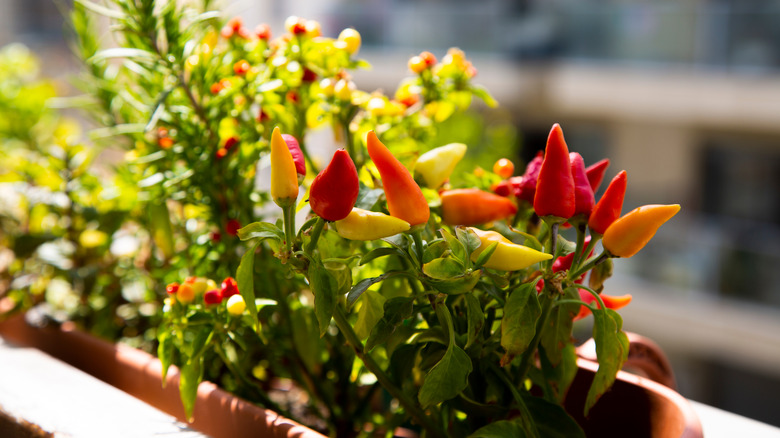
<point x="684" y="95"/>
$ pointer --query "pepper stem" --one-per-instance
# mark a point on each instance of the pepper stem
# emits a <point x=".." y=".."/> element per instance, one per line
<point x="316" y="231"/>
<point x="288" y="216"/>
<point x="417" y="236"/>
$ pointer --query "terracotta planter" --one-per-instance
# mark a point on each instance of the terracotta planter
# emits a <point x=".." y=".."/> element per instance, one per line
<point x="217" y="413"/>
<point x="636" y="406"/>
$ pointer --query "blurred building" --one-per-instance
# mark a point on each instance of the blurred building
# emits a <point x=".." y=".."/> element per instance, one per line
<point x="684" y="95"/>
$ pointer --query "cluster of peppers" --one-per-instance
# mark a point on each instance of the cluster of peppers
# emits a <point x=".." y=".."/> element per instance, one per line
<point x="556" y="184"/>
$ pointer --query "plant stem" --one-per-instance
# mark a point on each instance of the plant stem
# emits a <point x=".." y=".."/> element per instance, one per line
<point x="589" y="264"/>
<point x="411" y="407"/>
<point x="417" y="236"/>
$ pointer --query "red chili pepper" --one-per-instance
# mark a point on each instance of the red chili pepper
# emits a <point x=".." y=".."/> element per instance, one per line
<point x="297" y="154"/>
<point x="555" y="187"/>
<point x="596" y="172"/>
<point x="525" y="187"/>
<point x="213" y="296"/>
<point x="404" y="197"/>
<point x="335" y="189"/>
<point x="232" y="226"/>
<point x="583" y="193"/>
<point x="608" y="209"/>
<point x="229" y="287"/>
<point x="172" y="288"/>
<point x="611" y="302"/>
<point x="474" y="206"/>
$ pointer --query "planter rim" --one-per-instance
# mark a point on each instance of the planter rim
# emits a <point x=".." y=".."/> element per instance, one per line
<point x="217" y="413"/>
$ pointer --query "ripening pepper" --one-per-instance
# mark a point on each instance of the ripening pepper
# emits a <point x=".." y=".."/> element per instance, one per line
<point x="627" y="235"/>
<point x="236" y="305"/>
<point x="611" y="302"/>
<point x="474" y="206"/>
<point x="608" y="209"/>
<point x="508" y="256"/>
<point x="335" y="189"/>
<point x="555" y="186"/>
<point x="584" y="199"/>
<point x="284" y="177"/>
<point x="213" y="296"/>
<point x="297" y="153"/>
<point x="369" y="225"/>
<point x="525" y="187"/>
<point x="435" y="166"/>
<point x="404" y="197"/>
<point x="596" y="172"/>
<point x="229" y="287"/>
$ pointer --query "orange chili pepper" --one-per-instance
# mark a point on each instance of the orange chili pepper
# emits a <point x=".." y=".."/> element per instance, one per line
<point x="611" y="302"/>
<point x="627" y="235"/>
<point x="474" y="206"/>
<point x="404" y="197"/>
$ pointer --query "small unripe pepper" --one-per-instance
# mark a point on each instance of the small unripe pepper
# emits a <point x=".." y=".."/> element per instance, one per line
<point x="435" y="166"/>
<point x="172" y="288"/>
<point x="555" y="187"/>
<point x="608" y="209"/>
<point x="596" y="172"/>
<point x="284" y="177"/>
<point x="404" y="197"/>
<point x="350" y="40"/>
<point x="504" y="168"/>
<point x="335" y="189"/>
<point x="508" y="256"/>
<point x="583" y="193"/>
<point x="369" y="225"/>
<point x="629" y="234"/>
<point x="229" y="287"/>
<point x="236" y="305"/>
<point x="474" y="206"/>
<point x="525" y="186"/>
<point x="185" y="294"/>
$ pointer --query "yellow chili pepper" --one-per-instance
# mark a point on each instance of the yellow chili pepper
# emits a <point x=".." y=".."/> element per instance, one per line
<point x="508" y="256"/>
<point x="436" y="165"/>
<point x="627" y="235"/>
<point x="284" y="177"/>
<point x="369" y="225"/>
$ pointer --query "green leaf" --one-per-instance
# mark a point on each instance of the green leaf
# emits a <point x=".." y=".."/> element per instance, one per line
<point x="447" y="378"/>
<point x="469" y="239"/>
<point x="396" y="311"/>
<point x="557" y="333"/>
<point x="165" y="351"/>
<point x="245" y="279"/>
<point x="484" y="256"/>
<point x="443" y="268"/>
<point x="305" y="337"/>
<point x="560" y="376"/>
<point x="518" y="326"/>
<point x="261" y="230"/>
<point x="123" y="52"/>
<point x="483" y="94"/>
<point x="500" y="429"/>
<point x="457" y="248"/>
<point x="189" y="379"/>
<point x="364" y="284"/>
<point x="460" y="284"/>
<point x="551" y="420"/>
<point x="476" y="319"/>
<point x="325" y="289"/>
<point x="102" y="10"/>
<point x="371" y="311"/>
<point x="611" y="352"/>
<point x="379" y="252"/>
<point x="434" y="250"/>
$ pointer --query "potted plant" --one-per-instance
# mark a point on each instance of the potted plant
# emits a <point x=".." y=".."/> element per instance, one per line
<point x="394" y="292"/>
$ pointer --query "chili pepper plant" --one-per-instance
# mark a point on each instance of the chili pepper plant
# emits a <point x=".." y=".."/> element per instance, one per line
<point x="379" y="292"/>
